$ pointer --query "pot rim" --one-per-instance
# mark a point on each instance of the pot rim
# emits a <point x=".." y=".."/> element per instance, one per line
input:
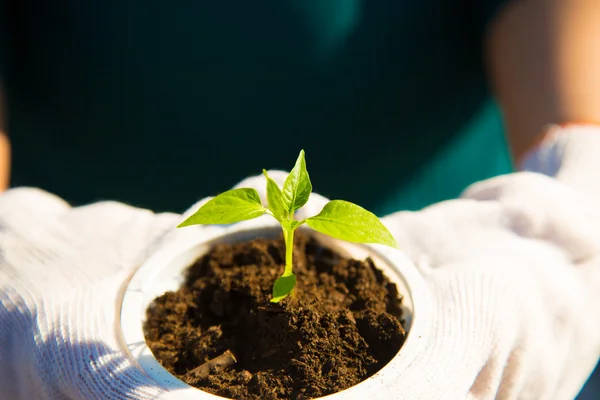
<point x="140" y="290"/>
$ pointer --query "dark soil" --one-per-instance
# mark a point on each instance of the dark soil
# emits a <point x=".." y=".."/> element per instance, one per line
<point x="220" y="333"/>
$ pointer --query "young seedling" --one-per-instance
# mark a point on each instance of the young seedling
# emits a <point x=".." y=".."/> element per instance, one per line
<point x="338" y="218"/>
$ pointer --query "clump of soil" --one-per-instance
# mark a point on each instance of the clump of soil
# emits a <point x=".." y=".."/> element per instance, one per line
<point x="220" y="333"/>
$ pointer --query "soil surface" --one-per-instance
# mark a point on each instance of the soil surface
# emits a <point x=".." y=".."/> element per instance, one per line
<point x="220" y="333"/>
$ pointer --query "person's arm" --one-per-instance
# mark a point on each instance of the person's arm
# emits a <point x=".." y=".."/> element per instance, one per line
<point x="4" y="143"/>
<point x="4" y="149"/>
<point x="544" y="65"/>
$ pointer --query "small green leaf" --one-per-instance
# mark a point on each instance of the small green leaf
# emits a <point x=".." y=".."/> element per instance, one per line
<point x="231" y="206"/>
<point x="297" y="186"/>
<point x="348" y="221"/>
<point x="274" y="199"/>
<point x="282" y="287"/>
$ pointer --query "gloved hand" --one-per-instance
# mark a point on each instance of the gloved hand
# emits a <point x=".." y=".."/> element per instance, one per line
<point x="61" y="273"/>
<point x="512" y="268"/>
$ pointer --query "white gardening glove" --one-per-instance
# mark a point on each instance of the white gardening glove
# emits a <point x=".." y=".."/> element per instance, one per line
<point x="513" y="268"/>
<point x="61" y="273"/>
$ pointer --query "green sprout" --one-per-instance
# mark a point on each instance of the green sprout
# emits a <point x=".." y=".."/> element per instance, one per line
<point x="338" y="218"/>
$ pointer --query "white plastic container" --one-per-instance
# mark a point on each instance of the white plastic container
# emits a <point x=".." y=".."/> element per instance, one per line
<point x="164" y="272"/>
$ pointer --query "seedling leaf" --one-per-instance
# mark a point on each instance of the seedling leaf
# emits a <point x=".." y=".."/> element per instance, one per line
<point x="228" y="207"/>
<point x="348" y="221"/>
<point x="297" y="187"/>
<point x="282" y="287"/>
<point x="274" y="199"/>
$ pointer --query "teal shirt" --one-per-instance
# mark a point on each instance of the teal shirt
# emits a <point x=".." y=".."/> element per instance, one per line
<point x="159" y="104"/>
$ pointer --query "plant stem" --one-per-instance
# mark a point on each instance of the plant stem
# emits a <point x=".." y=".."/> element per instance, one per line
<point x="288" y="235"/>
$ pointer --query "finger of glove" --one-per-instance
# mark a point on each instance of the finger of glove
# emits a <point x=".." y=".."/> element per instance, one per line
<point x="543" y="209"/>
<point x="137" y="231"/>
<point x="458" y="230"/>
<point x="21" y="205"/>
<point x="78" y="244"/>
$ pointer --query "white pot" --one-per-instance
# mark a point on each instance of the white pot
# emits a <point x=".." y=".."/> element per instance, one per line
<point x="164" y="272"/>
